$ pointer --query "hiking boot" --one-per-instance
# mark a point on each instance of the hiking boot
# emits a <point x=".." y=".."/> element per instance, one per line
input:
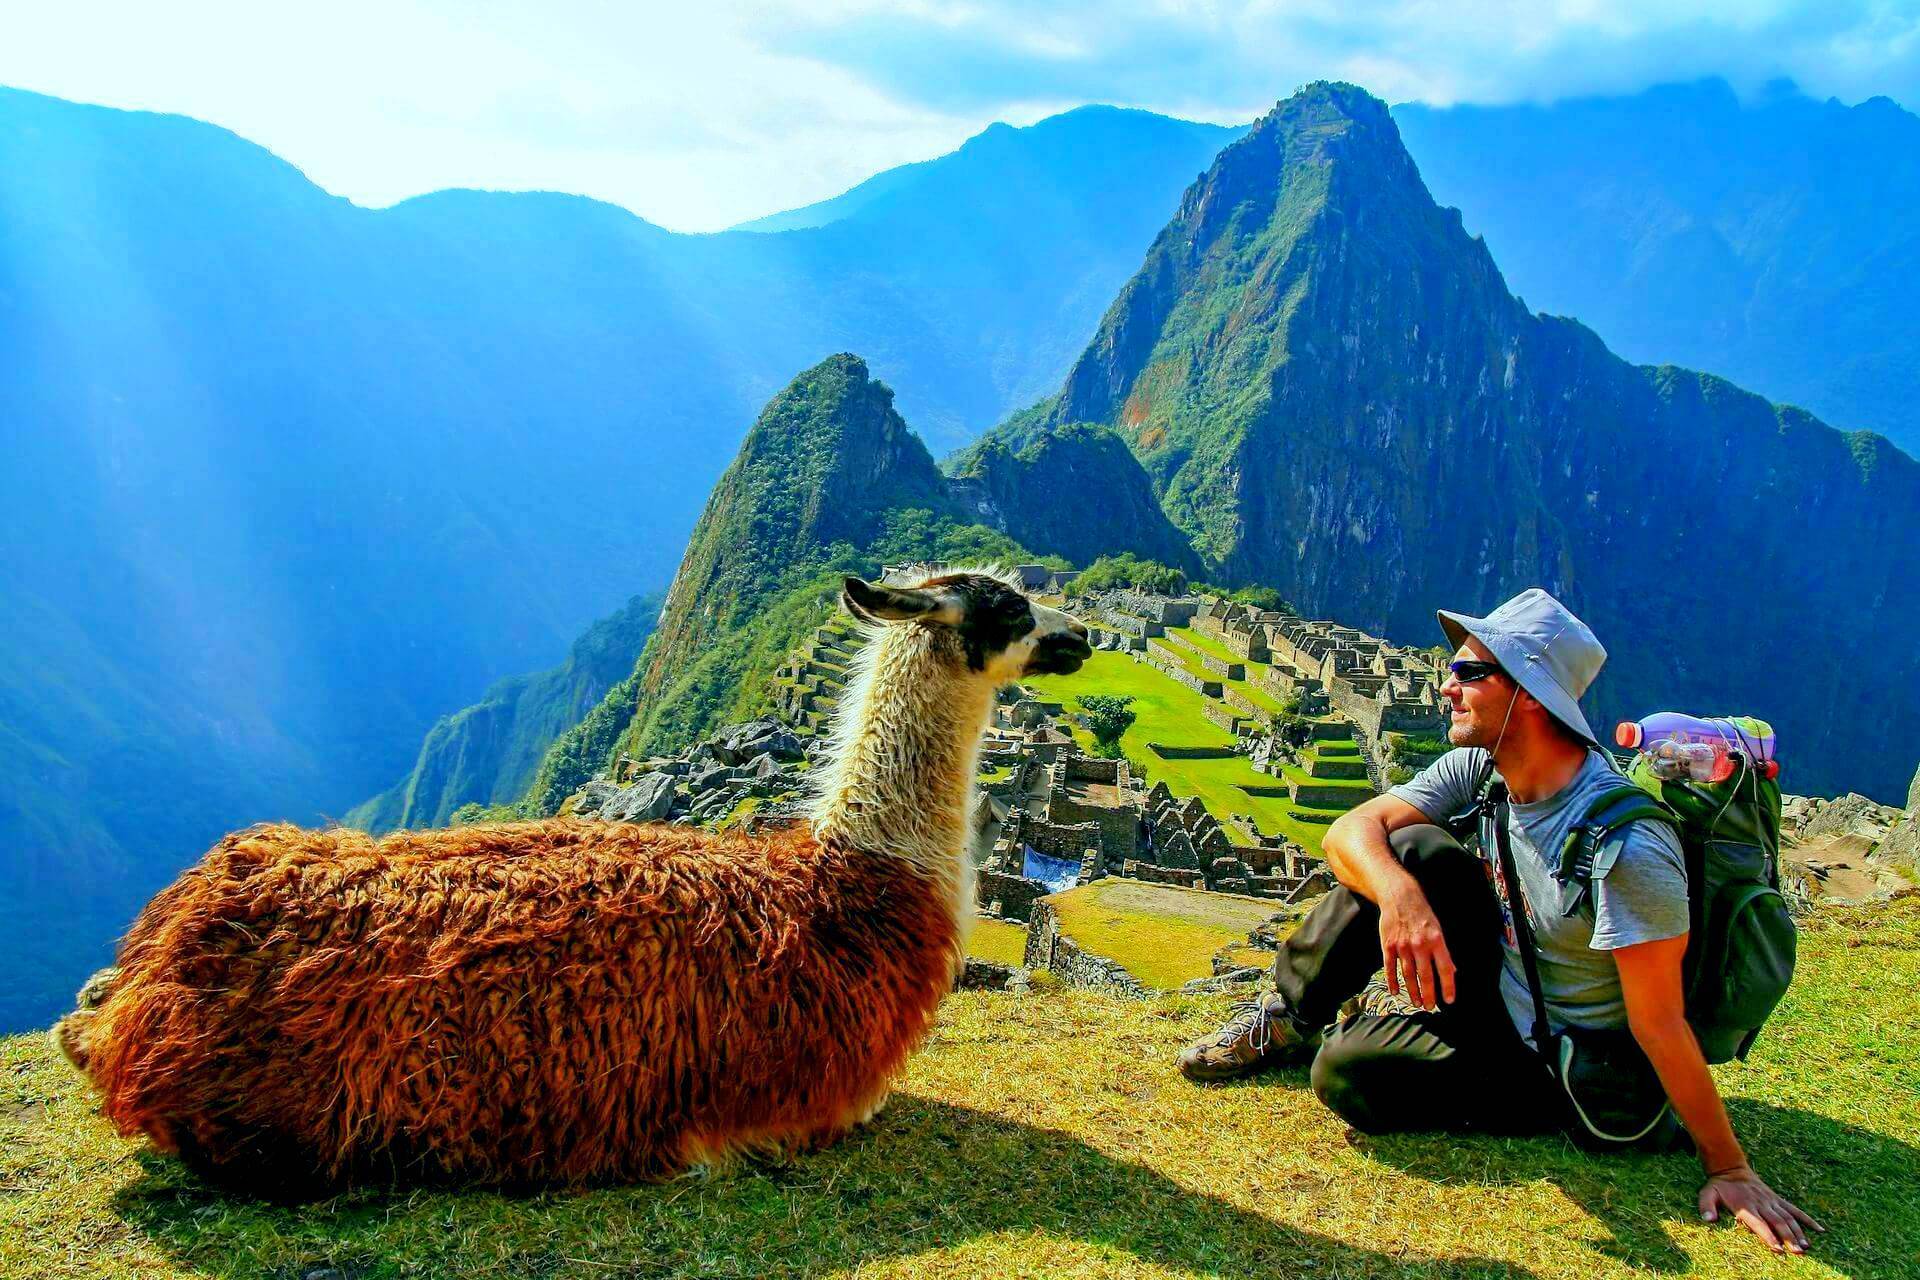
<point x="1260" y="1034"/>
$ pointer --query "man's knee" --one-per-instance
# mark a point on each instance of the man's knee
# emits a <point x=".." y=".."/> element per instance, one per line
<point x="1440" y="863"/>
<point x="1428" y="845"/>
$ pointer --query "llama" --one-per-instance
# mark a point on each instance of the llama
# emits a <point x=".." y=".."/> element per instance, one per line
<point x="557" y="1002"/>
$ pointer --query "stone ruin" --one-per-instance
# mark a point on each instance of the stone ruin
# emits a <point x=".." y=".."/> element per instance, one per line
<point x="701" y="786"/>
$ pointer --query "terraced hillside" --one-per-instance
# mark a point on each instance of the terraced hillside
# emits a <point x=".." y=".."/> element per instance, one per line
<point x="1177" y="738"/>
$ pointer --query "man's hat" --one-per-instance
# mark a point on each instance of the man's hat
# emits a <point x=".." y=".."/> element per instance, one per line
<point x="1548" y="651"/>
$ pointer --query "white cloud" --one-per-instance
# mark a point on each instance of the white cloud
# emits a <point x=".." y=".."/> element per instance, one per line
<point x="697" y="117"/>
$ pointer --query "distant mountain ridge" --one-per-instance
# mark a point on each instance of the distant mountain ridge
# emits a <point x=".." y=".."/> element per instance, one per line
<point x="489" y="753"/>
<point x="1770" y="241"/>
<point x="289" y="480"/>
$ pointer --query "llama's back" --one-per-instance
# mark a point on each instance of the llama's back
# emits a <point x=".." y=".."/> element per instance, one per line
<point x="540" y="1001"/>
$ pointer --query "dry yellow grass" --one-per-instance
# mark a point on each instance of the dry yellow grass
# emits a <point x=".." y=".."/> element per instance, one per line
<point x="997" y="940"/>
<point x="1049" y="1135"/>
<point x="1162" y="934"/>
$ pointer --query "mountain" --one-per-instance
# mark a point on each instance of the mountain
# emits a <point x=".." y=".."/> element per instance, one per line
<point x="1336" y="395"/>
<point x="289" y="480"/>
<point x="1076" y="491"/>
<point x="830" y="480"/>
<point x="1769" y="241"/>
<point x="488" y="753"/>
<point x="1086" y="164"/>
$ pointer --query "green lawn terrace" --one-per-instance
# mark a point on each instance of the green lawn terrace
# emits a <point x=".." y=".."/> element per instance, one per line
<point x="1174" y="741"/>
<point x="1162" y="936"/>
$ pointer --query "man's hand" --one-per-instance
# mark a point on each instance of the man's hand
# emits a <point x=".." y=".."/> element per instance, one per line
<point x="1413" y="948"/>
<point x="1759" y="1208"/>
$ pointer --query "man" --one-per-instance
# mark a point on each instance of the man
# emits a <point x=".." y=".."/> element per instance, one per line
<point x="1415" y="901"/>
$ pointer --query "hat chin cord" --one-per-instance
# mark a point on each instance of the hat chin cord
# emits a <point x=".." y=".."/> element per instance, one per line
<point x="1494" y="754"/>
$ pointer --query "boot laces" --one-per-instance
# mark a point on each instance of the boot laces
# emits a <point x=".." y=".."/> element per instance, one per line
<point x="1250" y="1019"/>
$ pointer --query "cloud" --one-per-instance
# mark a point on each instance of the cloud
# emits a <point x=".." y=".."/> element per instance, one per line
<point x="1225" y="61"/>
<point x="700" y="116"/>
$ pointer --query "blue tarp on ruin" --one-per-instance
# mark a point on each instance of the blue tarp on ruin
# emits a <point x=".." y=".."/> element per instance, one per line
<point x="1055" y="873"/>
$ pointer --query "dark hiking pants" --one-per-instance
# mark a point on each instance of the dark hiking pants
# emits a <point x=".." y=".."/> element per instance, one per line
<point x="1463" y="1067"/>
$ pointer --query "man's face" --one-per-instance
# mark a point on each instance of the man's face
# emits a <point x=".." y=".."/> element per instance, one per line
<point x="1479" y="707"/>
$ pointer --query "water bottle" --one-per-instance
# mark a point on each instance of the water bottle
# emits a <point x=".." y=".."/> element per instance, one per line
<point x="1700" y="749"/>
<point x="1673" y="761"/>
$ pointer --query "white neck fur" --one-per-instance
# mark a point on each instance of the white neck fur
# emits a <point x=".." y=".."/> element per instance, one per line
<point x="903" y="751"/>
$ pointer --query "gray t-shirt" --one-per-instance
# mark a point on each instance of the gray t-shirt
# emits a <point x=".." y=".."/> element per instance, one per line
<point x="1641" y="898"/>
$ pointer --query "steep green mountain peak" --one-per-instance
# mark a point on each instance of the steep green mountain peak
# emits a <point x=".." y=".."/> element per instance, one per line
<point x="1336" y="396"/>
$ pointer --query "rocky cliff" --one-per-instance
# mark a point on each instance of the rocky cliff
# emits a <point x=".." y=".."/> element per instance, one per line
<point x="488" y="753"/>
<point x="1336" y="395"/>
<point x="1076" y="491"/>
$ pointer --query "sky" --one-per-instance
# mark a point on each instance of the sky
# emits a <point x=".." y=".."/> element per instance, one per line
<point x="698" y="117"/>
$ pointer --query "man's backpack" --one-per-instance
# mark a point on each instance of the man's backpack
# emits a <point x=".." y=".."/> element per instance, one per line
<point x="1741" y="940"/>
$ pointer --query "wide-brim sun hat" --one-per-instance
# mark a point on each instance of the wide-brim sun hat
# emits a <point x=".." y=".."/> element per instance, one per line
<point x="1540" y="643"/>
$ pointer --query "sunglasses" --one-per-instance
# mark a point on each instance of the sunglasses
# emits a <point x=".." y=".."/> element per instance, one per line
<point x="1466" y="671"/>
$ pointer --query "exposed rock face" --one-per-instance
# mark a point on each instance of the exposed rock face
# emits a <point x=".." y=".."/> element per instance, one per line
<point x="648" y="800"/>
<point x="1076" y="492"/>
<point x="1336" y="396"/>
<point x="699" y="786"/>
<point x="1850" y="849"/>
<point x="489" y="752"/>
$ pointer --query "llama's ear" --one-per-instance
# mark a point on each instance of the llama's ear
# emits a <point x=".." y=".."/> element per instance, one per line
<point x="880" y="603"/>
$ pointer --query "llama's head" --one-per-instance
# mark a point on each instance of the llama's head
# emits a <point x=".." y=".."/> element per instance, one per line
<point x="979" y="621"/>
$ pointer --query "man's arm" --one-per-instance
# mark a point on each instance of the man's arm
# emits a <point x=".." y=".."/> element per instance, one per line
<point x="1656" y="1013"/>
<point x="1411" y="944"/>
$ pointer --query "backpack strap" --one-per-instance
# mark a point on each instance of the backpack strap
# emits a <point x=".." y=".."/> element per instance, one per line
<point x="1517" y="910"/>
<point x="1590" y="849"/>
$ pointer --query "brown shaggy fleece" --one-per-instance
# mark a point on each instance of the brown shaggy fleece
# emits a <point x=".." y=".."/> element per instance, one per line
<point x="544" y="1002"/>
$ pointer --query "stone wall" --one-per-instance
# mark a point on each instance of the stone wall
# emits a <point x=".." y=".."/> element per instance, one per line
<point x="1015" y="894"/>
<point x="1050" y="949"/>
<point x="1223" y="715"/>
<point x="1056" y="840"/>
<point x="1117" y="827"/>
<point x="1174" y="751"/>
<point x="1186" y="878"/>
<point x="1248" y="707"/>
<point x="1162" y="660"/>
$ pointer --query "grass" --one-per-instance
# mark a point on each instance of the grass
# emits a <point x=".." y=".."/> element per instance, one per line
<point x="1255" y="670"/>
<point x="997" y="940"/>
<point x="1049" y="1135"/>
<point x="1163" y="934"/>
<point x="1167" y="711"/>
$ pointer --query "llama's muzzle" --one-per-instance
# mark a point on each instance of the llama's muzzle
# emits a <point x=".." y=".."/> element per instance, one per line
<point x="1060" y="654"/>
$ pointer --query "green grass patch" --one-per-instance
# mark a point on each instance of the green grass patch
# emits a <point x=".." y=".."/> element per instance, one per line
<point x="1164" y="935"/>
<point x="997" y="940"/>
<point x="1167" y="711"/>
<point x="1050" y="1136"/>
<point x="1206" y="643"/>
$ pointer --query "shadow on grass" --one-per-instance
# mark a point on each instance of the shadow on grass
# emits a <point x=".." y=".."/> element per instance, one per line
<point x="1859" y="1184"/>
<point x="926" y="1175"/>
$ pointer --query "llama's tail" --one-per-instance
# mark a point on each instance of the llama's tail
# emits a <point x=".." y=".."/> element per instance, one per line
<point x="70" y="1033"/>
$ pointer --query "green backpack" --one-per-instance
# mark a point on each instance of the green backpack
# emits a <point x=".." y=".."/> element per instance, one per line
<point x="1741" y="941"/>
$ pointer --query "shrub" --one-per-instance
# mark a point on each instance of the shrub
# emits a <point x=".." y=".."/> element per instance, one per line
<point x="1293" y="728"/>
<point x="1128" y="570"/>
<point x="1263" y="598"/>
<point x="1107" y="716"/>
